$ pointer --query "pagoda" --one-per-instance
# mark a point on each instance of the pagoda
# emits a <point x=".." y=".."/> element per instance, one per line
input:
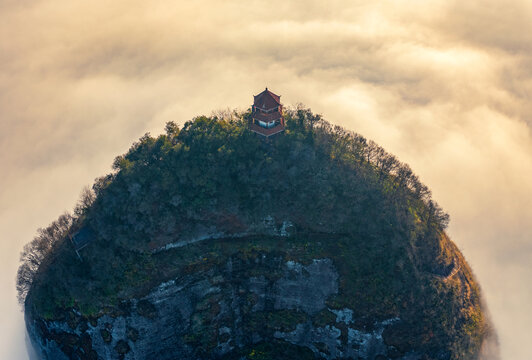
<point x="267" y="114"/>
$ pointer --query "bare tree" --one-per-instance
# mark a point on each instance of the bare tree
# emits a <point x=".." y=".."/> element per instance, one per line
<point x="86" y="199"/>
<point x="35" y="252"/>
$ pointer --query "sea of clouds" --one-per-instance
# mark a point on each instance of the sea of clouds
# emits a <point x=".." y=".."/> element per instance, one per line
<point x="444" y="85"/>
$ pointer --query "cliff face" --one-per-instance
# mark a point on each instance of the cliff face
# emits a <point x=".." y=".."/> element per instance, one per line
<point x="225" y="310"/>
<point x="209" y="243"/>
<point x="258" y="295"/>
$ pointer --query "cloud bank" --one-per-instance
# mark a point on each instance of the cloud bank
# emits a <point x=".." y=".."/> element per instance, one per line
<point x="444" y="85"/>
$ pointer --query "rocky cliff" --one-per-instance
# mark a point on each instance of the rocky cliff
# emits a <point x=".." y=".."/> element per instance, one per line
<point x="232" y="308"/>
<point x="210" y="243"/>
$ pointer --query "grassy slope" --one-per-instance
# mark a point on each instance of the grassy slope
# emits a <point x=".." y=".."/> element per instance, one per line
<point x="346" y="204"/>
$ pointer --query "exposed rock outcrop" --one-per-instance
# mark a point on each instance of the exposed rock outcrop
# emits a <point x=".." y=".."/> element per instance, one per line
<point x="210" y="243"/>
<point x="213" y="314"/>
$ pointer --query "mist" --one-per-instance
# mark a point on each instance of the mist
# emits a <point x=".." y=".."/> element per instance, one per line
<point x="443" y="85"/>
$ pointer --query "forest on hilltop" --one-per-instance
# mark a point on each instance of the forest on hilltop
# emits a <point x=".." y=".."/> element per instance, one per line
<point x="214" y="172"/>
<point x="219" y="158"/>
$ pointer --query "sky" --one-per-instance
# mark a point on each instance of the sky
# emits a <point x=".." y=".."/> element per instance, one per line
<point x="443" y="85"/>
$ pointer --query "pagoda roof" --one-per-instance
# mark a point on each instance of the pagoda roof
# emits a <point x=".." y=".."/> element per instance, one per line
<point x="266" y="100"/>
<point x="267" y="117"/>
<point x="266" y="132"/>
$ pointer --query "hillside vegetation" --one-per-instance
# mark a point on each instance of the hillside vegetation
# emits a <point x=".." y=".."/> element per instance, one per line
<point x="344" y="197"/>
